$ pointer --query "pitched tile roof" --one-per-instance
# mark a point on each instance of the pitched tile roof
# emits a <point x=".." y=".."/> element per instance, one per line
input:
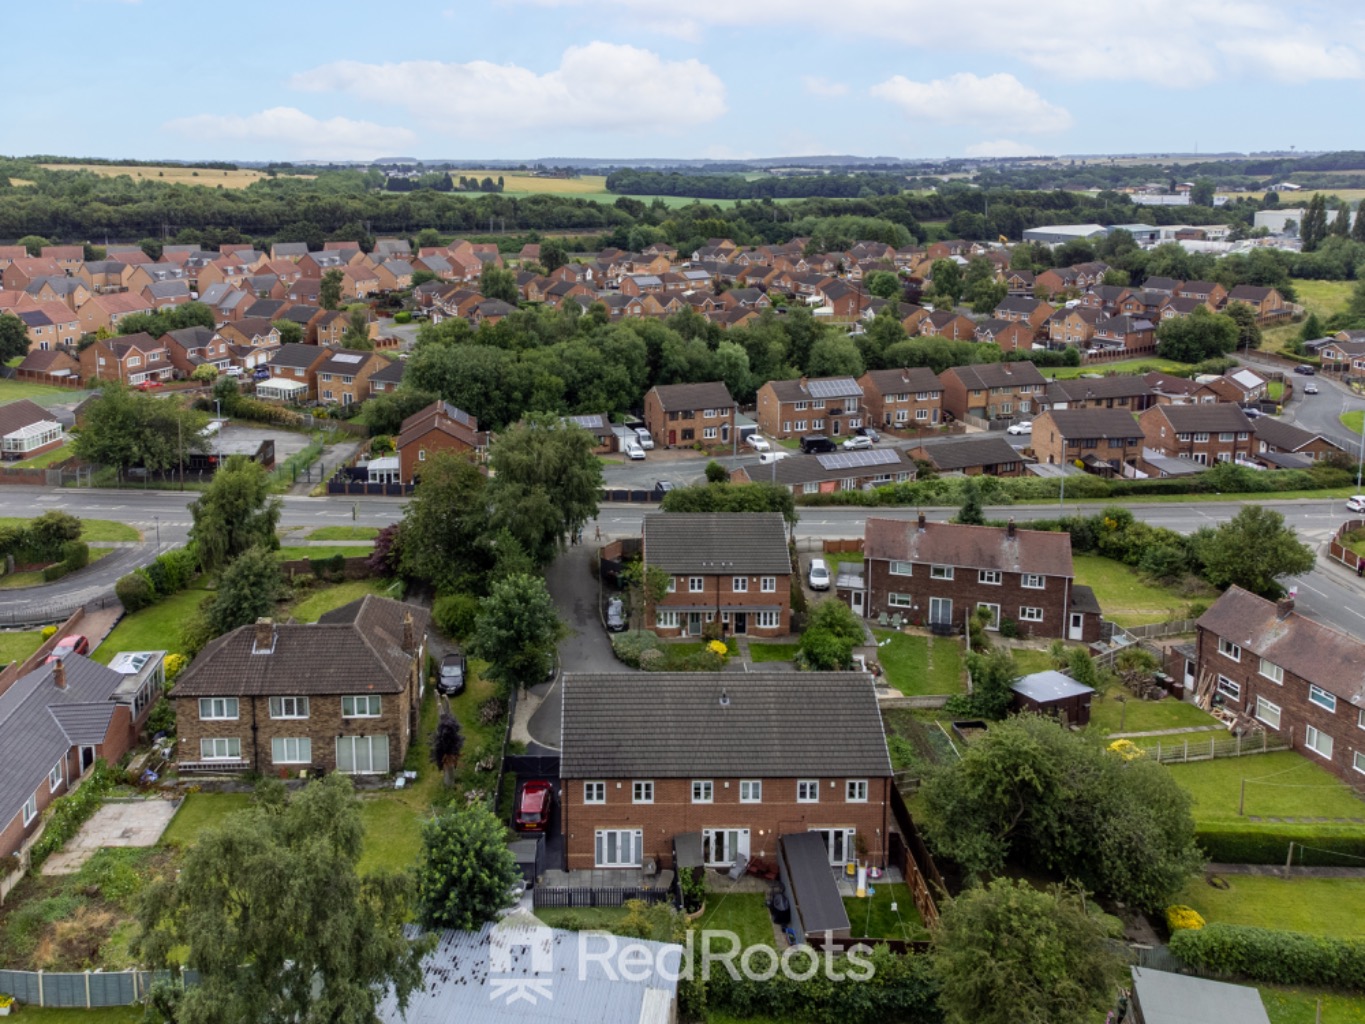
<point x="717" y="542"/>
<point x="1204" y="417"/>
<point x="980" y="376"/>
<point x="17" y="415"/>
<point x="1286" y="436"/>
<point x="976" y="451"/>
<point x="298" y="354"/>
<point x="819" y="388"/>
<point x="757" y="724"/>
<point x="1118" y="385"/>
<point x="707" y="395"/>
<point x="1094" y="423"/>
<point x="975" y="547"/>
<point x="809" y="469"/>
<point x="357" y="648"/>
<point x="1308" y="649"/>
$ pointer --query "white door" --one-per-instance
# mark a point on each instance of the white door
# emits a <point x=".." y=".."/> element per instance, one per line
<point x="1077" y="627"/>
<point x="940" y="610"/>
<point x="839" y="842"/>
<point x="857" y="603"/>
<point x="722" y="847"/>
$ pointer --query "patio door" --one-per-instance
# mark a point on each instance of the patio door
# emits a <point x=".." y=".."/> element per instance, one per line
<point x="618" y="848"/>
<point x="721" y="847"/>
<point x="839" y="843"/>
<point x="940" y="610"/>
<point x="1076" y="628"/>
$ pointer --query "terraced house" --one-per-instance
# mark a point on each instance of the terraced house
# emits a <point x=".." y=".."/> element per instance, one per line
<point x="991" y="391"/>
<point x="1103" y="441"/>
<point x="688" y="414"/>
<point x="1205" y="434"/>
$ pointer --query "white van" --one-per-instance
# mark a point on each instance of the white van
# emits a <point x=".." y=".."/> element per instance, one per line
<point x="646" y="441"/>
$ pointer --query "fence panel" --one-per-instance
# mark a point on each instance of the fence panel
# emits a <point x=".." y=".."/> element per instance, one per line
<point x="1177" y="751"/>
<point x="578" y="896"/>
<point x="22" y="985"/>
<point x="112" y="989"/>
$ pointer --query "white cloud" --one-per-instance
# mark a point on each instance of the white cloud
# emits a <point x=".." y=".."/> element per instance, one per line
<point x="597" y="87"/>
<point x="818" y="85"/>
<point x="1002" y="147"/>
<point x="290" y="131"/>
<point x="1169" y="43"/>
<point x="998" y="100"/>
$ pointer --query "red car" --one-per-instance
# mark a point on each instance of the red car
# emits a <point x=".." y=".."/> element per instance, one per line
<point x="148" y="385"/>
<point x="72" y="644"/>
<point x="533" y="809"/>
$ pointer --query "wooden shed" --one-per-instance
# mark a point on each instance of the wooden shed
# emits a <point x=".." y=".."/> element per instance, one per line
<point x="1052" y="693"/>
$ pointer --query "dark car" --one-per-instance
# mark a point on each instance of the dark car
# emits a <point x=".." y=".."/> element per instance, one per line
<point x="450" y="678"/>
<point x="662" y="487"/>
<point x="75" y="643"/>
<point x="1307" y="371"/>
<point x="261" y="373"/>
<point x="814" y="443"/>
<point x="533" y="807"/>
<point x="868" y="432"/>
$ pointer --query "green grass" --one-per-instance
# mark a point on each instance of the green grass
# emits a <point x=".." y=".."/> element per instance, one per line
<point x="324" y="599"/>
<point x="873" y="918"/>
<point x="1284" y="784"/>
<point x="843" y="558"/>
<point x="1124" y="366"/>
<point x="294" y="552"/>
<point x="13" y="390"/>
<point x="1274" y="390"/>
<point x="1124" y="596"/>
<point x="198" y="812"/>
<point x="1325" y="298"/>
<point x="759" y="653"/>
<point x="588" y="919"/>
<point x="152" y="629"/>
<point x="34" y="577"/>
<point x="1299" y="1006"/>
<point x="91" y="529"/>
<point x="1316" y="906"/>
<point x="1145" y="715"/>
<point x="677" y="654"/>
<point x="344" y="533"/>
<point x="44" y="460"/>
<point x="1352" y="421"/>
<point x="920" y="665"/>
<point x="743" y="913"/>
<point x="102" y="1015"/>
<point x="18" y="646"/>
<point x="1028" y="662"/>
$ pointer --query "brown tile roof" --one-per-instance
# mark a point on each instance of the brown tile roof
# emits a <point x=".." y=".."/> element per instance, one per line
<point x="355" y="649"/>
<point x="1311" y="651"/>
<point x="1093" y="423"/>
<point x="894" y="382"/>
<point x="17" y="415"/>
<point x="949" y="456"/>
<point x="997" y="375"/>
<point x="973" y="547"/>
<point x="1286" y="436"/>
<point x="708" y="395"/>
<point x="1204" y="417"/>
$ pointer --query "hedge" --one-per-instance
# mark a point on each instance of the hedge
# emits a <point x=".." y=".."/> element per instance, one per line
<point x="1315" y="845"/>
<point x="1270" y="955"/>
<point x="68" y="813"/>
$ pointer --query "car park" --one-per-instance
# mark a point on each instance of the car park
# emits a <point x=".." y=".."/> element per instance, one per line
<point x="1307" y="371"/>
<point x="1022" y="427"/>
<point x="616" y="615"/>
<point x="1355" y="503"/>
<point x="451" y="675"/>
<point x="73" y="643"/>
<point x="1310" y="388"/>
<point x="758" y="443"/>
<point x="818" y="574"/>
<point x="646" y="441"/>
<point x="533" y="806"/>
<point x="858" y="442"/>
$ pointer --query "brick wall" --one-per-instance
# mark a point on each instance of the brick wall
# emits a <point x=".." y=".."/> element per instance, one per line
<point x="719" y="598"/>
<point x="965" y="590"/>
<point x="673" y="813"/>
<point x="15" y="832"/>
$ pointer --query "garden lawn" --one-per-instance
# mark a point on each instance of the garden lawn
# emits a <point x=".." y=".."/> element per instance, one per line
<point x="1126" y="366"/>
<point x="101" y="1015"/>
<point x="743" y="913"/>
<point x="321" y="600"/>
<point x="18" y="646"/>
<point x="1145" y="715"/>
<point x="1299" y="1006"/>
<point x="1316" y="906"/>
<point x="587" y="919"/>
<point x="13" y="390"/>
<point x="759" y="653"/>
<point x="91" y="529"/>
<point x="1352" y="421"/>
<point x="152" y="629"/>
<point x="1283" y="784"/>
<point x="839" y="559"/>
<point x="920" y="665"/>
<point x="873" y="918"/>
<point x="198" y="812"/>
<point x="344" y="533"/>
<point x="294" y="552"/>
<point x="1028" y="662"/>
<point x="44" y="460"/>
<point x="1124" y="596"/>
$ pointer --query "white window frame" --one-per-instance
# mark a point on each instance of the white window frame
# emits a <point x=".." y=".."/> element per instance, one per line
<point x="665" y="619"/>
<point x="672" y="584"/>
<point x="211" y="745"/>
<point x="995" y="621"/>
<point x="751" y="791"/>
<point x="767" y="584"/>
<point x="1358" y="761"/>
<point x="1033" y="581"/>
<point x="1268" y="712"/>
<point x="708" y="433"/>
<point x="629" y="845"/>
<point x="291" y="750"/>
<point x="940" y="572"/>
<point x="855" y="791"/>
<point x="371" y="700"/>
<point x="1230" y="688"/>
<point x="696" y="584"/>
<point x="218" y="708"/>
<point x="808" y="791"/>
<point x="1313" y="739"/>
<point x="739" y="584"/>
<point x="800" y="426"/>
<point x="703" y="791"/>
<point x="902" y="568"/>
<point x="990" y="577"/>
<point x="1273" y="672"/>
<point x="769" y="619"/>
<point x="1228" y="649"/>
<point x="30" y="809"/>
<point x="55" y="777"/>
<point x="289" y="707"/>
<point x="595" y="792"/>
<point x="642" y="791"/>
<point x="1028" y="613"/>
<point x="900" y="600"/>
<point x="1320" y="697"/>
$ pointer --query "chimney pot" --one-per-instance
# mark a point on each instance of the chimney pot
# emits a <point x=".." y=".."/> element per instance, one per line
<point x="59" y="674"/>
<point x="265" y="636"/>
<point x="1009" y="529"/>
<point x="1283" y="607"/>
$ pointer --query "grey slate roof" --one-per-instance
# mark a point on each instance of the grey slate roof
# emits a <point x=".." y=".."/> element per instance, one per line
<point x="297" y="354"/>
<point x="393" y="373"/>
<point x="1093" y="423"/>
<point x="896" y="382"/>
<point x="998" y="375"/>
<point x="1205" y="417"/>
<point x="1286" y="436"/>
<point x="707" y="395"/>
<point x="808" y="469"/>
<point x="1119" y="385"/>
<point x="1083" y="599"/>
<point x="977" y="451"/>
<point x="356" y="648"/>
<point x="831" y="389"/>
<point x="17" y="415"/>
<point x="32" y="737"/>
<point x="1179" y="999"/>
<point x="717" y="542"/>
<point x="1049" y="686"/>
<point x="775" y="725"/>
<point x="973" y="547"/>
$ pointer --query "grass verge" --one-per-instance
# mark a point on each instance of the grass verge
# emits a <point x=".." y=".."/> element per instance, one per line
<point x="297" y="551"/>
<point x="91" y="529"/>
<point x="58" y="454"/>
<point x="152" y="629"/>
<point x="344" y="533"/>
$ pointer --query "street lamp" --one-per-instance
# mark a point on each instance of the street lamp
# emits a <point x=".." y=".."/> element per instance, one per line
<point x="158" y="532"/>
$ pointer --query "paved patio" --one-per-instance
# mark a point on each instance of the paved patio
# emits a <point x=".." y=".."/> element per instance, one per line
<point x="117" y="823"/>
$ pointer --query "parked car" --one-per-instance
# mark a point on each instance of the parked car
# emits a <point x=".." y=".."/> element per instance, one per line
<point x="1310" y="388"/>
<point x="646" y="441"/>
<point x="1355" y="503"/>
<point x="768" y="458"/>
<point x="1251" y="412"/>
<point x="261" y="373"/>
<point x="813" y="443"/>
<point x="233" y="371"/>
<point x="868" y="432"/>
<point x="533" y="806"/>
<point x="758" y="443"/>
<point x="73" y="643"/>
<point x="150" y="385"/>
<point x="818" y="576"/>
<point x="662" y="487"/>
<point x="616" y="616"/>
<point x="858" y="442"/>
<point x="451" y="675"/>
<point x="1307" y="371"/>
<point x="634" y="451"/>
<point x="1022" y="427"/>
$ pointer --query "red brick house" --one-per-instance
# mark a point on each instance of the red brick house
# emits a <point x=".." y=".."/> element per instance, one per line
<point x="904" y="399"/>
<point x="742" y="759"/>
<point x="344" y="379"/>
<point x="688" y="414"/>
<point x="939" y="574"/>
<point x="1205" y="434"/>
<point x="810" y="405"/>
<point x="1117" y="391"/>
<point x="1022" y="309"/>
<point x="1104" y="441"/>
<point x="992" y="390"/>
<point x="440" y="427"/>
<point x="1011" y="336"/>
<point x="130" y="359"/>
<point x="1286" y="674"/>
<point x="944" y="323"/>
<point x="107" y="310"/>
<point x="1273" y="436"/>
<point x="1268" y="303"/>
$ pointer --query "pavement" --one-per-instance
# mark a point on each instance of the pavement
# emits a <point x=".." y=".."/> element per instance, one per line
<point x="116" y="823"/>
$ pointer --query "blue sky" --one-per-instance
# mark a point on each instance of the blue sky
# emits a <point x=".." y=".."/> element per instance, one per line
<point x="616" y="79"/>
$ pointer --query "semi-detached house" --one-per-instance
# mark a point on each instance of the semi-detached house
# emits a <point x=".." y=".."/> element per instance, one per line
<point x="820" y="405"/>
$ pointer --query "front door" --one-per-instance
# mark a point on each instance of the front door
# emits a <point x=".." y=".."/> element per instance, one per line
<point x="1077" y="626"/>
<point x="856" y="603"/>
<point x="672" y="438"/>
<point x="694" y="623"/>
<point x="940" y="610"/>
<point x="839" y="842"/>
<point x="721" y="847"/>
<point x="741" y="622"/>
<point x="87" y="758"/>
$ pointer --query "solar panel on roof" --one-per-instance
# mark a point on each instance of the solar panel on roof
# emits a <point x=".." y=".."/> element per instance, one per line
<point x="838" y="387"/>
<point x="346" y="358"/>
<point x="858" y="459"/>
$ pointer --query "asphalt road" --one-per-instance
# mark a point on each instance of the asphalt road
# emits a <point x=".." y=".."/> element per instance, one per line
<point x="1319" y="413"/>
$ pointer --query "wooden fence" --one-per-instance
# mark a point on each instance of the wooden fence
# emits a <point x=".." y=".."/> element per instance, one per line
<point x="57" y="380"/>
<point x="915" y="862"/>
<point x="1158" y="629"/>
<point x="1340" y="551"/>
<point x="1179" y="750"/>
<point x="354" y="566"/>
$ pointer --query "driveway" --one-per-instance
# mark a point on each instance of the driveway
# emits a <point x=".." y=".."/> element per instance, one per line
<point x="586" y="648"/>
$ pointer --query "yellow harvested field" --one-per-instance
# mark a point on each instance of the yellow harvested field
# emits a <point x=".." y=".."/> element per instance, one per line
<point x="529" y="183"/>
<point x="170" y="174"/>
<point x="1293" y="200"/>
<point x="20" y="182"/>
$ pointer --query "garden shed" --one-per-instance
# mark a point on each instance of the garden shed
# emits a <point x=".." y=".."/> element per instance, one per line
<point x="1052" y="693"/>
<point x="1160" y="997"/>
<point x="817" y="907"/>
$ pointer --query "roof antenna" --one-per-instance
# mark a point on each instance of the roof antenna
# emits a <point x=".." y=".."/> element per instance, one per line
<point x="724" y="698"/>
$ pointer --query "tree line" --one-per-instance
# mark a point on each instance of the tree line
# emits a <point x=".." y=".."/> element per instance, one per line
<point x="740" y="186"/>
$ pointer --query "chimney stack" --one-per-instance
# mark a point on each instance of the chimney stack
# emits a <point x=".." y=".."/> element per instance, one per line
<point x="921" y="522"/>
<point x="1009" y="529"/>
<point x="59" y="674"/>
<point x="265" y="636"/>
<point x="409" y="634"/>
<point x="1283" y="607"/>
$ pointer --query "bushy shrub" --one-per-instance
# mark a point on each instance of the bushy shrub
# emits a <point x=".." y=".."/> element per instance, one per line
<point x="824" y="650"/>
<point x="162" y="718"/>
<point x="402" y="317"/>
<point x="173" y="666"/>
<point x="75" y="555"/>
<point x="55" y="572"/>
<point x="1314" y="845"/>
<point x="455" y="615"/>
<point x="632" y="644"/>
<point x="48" y="632"/>
<point x="135" y="591"/>
<point x="1277" y="957"/>
<point x="68" y="813"/>
<point x="1179" y="916"/>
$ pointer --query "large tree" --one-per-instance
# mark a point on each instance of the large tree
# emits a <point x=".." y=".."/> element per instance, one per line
<point x="235" y="512"/>
<point x="357" y="333"/>
<point x="553" y="255"/>
<point x="1248" y="327"/>
<point x="329" y="289"/>
<point x="467" y="871"/>
<point x="755" y="497"/>
<point x="1252" y="550"/>
<point x="1199" y="336"/>
<point x="517" y="631"/>
<point x="1007" y="953"/>
<point x="291" y="331"/>
<point x="444" y="526"/>
<point x="13" y="337"/>
<point x="269" y="908"/>
<point x="545" y="486"/>
<point x="496" y="283"/>
<point x="127" y="428"/>
<point x="247" y="590"/>
<point x="835" y="355"/>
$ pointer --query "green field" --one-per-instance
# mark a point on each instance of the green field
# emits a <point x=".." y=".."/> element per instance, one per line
<point x="1125" y="366"/>
<point x="1110" y="715"/>
<point x="43" y="394"/>
<point x="1125" y="597"/>
<point x="1316" y="906"/>
<point x="1353" y="421"/>
<point x="920" y="665"/>
<point x="152" y="629"/>
<point x="1300" y="1006"/>
<point x="1284" y="784"/>
<point x="1325" y="298"/>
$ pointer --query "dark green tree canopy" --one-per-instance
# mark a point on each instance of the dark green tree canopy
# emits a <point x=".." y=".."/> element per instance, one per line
<point x="127" y="428"/>
<point x="235" y="512"/>
<point x="467" y="870"/>
<point x="1253" y="550"/>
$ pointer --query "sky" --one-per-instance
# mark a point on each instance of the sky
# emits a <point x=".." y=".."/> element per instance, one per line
<point x="720" y="79"/>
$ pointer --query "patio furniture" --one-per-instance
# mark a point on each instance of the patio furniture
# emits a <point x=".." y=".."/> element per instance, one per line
<point x="896" y="621"/>
<point x="881" y="619"/>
